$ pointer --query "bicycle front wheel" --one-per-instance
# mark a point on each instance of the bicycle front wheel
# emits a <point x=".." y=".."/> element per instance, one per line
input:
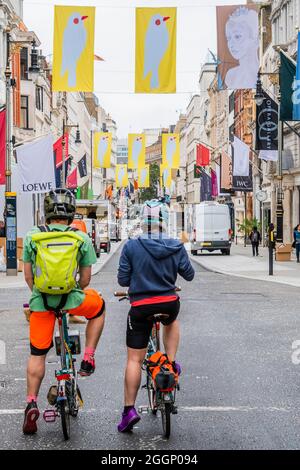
<point x="65" y="418"/>
<point x="166" y="419"/>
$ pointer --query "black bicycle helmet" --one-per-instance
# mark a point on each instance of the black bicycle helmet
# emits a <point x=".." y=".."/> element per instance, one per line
<point x="60" y="204"/>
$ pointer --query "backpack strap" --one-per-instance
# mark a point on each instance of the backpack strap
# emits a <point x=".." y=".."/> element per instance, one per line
<point x="71" y="229"/>
<point x="44" y="228"/>
<point x="60" y="306"/>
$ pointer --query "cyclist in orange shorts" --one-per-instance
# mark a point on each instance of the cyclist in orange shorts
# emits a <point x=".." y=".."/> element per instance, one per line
<point x="59" y="206"/>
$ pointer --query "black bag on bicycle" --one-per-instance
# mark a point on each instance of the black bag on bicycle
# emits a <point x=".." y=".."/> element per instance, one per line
<point x="162" y="372"/>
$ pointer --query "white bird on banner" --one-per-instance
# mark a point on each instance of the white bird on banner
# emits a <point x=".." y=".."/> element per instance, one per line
<point x="156" y="45"/>
<point x="121" y="175"/>
<point x="102" y="149"/>
<point x="74" y="43"/>
<point x="166" y="176"/>
<point x="136" y="150"/>
<point x="143" y="175"/>
<point x="170" y="151"/>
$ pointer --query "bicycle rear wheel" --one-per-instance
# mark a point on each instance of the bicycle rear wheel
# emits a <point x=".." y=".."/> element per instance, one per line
<point x="166" y="419"/>
<point x="65" y="418"/>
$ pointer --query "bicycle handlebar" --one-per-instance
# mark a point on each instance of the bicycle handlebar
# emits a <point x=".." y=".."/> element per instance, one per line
<point x="125" y="294"/>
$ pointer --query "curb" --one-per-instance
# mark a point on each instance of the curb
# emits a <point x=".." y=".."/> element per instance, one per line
<point x="243" y="276"/>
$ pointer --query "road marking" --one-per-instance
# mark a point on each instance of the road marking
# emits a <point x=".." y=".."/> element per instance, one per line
<point x="221" y="409"/>
<point x="22" y="379"/>
<point x="11" y="412"/>
<point x="233" y="408"/>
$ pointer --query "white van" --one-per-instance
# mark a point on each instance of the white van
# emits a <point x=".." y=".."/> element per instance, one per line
<point x="211" y="228"/>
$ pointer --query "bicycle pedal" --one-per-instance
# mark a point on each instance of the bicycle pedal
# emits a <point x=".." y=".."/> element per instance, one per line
<point x="174" y="410"/>
<point x="178" y="387"/>
<point x="143" y="387"/>
<point x="49" y="416"/>
<point x="143" y="409"/>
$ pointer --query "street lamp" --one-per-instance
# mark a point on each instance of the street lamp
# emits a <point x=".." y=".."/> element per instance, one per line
<point x="259" y="95"/>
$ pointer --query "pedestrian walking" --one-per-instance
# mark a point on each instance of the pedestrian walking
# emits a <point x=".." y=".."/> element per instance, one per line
<point x="255" y="239"/>
<point x="296" y="243"/>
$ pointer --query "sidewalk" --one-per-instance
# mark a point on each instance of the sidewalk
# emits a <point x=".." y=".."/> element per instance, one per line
<point x="241" y="263"/>
<point x="15" y="282"/>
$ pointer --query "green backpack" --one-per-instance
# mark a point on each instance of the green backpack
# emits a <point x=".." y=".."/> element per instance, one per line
<point x="56" y="263"/>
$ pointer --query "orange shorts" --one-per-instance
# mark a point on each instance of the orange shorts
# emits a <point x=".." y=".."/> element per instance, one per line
<point x="42" y="323"/>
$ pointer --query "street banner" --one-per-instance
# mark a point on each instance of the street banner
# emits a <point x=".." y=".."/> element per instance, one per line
<point x="197" y="171"/>
<point x="241" y="158"/>
<point x="205" y="188"/>
<point x="267" y="124"/>
<point x="296" y="94"/>
<point x="121" y="176"/>
<point x="225" y="174"/>
<point x="287" y="74"/>
<point x="155" y="50"/>
<point x="136" y="151"/>
<point x="238" y="46"/>
<point x="214" y="184"/>
<point x="73" y="50"/>
<point x="269" y="155"/>
<point x="72" y="182"/>
<point x="58" y="150"/>
<point x="2" y="146"/>
<point x="144" y="177"/>
<point x="59" y="173"/>
<point x="242" y="183"/>
<point x="35" y="166"/>
<point x="102" y="149"/>
<point x="166" y="176"/>
<point x="170" y="150"/>
<point x="203" y="155"/>
<point x="82" y="166"/>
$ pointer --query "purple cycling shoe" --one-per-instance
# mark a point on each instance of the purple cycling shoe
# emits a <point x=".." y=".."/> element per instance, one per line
<point x="129" y="419"/>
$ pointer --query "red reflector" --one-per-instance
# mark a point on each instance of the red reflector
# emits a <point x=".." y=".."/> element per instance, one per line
<point x="63" y="377"/>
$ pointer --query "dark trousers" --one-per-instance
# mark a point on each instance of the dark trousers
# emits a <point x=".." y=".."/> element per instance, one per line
<point x="255" y="246"/>
<point x="298" y="251"/>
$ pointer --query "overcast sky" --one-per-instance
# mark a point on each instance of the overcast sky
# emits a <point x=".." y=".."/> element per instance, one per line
<point x="115" y="42"/>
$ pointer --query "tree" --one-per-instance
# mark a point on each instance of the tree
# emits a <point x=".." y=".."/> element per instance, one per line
<point x="151" y="193"/>
<point x="247" y="225"/>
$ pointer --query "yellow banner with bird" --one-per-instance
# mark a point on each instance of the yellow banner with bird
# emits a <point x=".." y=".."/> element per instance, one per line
<point x="121" y="176"/>
<point x="136" y="151"/>
<point x="102" y="149"/>
<point x="171" y="150"/>
<point x="155" y="50"/>
<point x="73" y="51"/>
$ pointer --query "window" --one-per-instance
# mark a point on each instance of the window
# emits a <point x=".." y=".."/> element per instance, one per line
<point x="24" y="63"/>
<point x="231" y="102"/>
<point x="24" y="112"/>
<point x="39" y="98"/>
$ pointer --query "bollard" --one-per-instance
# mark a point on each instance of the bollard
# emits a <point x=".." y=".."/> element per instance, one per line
<point x="271" y="248"/>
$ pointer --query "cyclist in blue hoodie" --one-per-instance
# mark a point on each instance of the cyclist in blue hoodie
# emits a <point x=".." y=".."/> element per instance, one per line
<point x="149" y="266"/>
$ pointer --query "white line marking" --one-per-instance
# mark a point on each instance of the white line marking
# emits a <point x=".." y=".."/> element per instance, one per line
<point x="22" y="379"/>
<point x="223" y="409"/>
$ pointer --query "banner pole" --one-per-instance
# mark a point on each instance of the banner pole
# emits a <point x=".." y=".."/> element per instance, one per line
<point x="10" y="198"/>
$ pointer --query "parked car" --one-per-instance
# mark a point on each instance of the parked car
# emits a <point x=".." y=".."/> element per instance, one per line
<point x="211" y="228"/>
<point x="105" y="243"/>
<point x="94" y="233"/>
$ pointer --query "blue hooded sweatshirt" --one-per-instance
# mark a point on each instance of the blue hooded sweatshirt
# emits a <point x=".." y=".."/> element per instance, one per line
<point x="149" y="266"/>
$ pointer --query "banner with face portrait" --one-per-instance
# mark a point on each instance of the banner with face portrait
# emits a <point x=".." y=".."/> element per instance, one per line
<point x="238" y="46"/>
<point x="102" y="149"/>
